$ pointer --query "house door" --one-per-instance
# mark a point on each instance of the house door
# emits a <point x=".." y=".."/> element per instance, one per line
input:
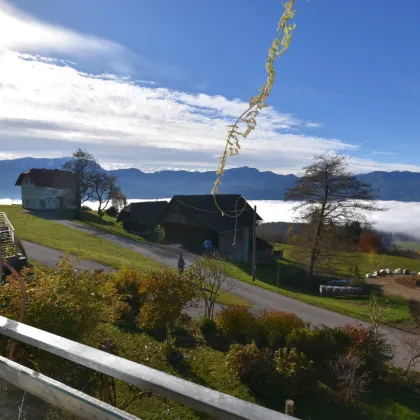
<point x="42" y="204"/>
<point x="61" y="202"/>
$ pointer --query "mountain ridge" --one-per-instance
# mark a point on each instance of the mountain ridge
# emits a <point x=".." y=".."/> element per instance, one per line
<point x="250" y="182"/>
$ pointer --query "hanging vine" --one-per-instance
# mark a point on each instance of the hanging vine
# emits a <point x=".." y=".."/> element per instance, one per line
<point x="247" y="121"/>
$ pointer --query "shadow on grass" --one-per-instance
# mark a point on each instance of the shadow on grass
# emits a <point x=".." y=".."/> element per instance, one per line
<point x="294" y="278"/>
<point x="92" y="217"/>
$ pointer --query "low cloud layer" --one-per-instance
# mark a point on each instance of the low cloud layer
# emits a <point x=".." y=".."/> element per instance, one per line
<point x="398" y="217"/>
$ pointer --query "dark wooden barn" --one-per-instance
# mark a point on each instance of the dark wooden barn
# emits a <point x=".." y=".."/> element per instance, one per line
<point x="189" y="220"/>
<point x="141" y="218"/>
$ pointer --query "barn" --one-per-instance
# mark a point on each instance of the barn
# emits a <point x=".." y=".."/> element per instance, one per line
<point x="189" y="220"/>
<point x="141" y="218"/>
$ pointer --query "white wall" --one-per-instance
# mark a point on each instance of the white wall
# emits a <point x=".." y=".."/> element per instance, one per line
<point x="41" y="198"/>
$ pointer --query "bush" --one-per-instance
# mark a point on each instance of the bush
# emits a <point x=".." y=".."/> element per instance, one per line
<point x="237" y="323"/>
<point x="374" y="350"/>
<point x="352" y="380"/>
<point x="252" y="366"/>
<point x="275" y="326"/>
<point x="125" y="285"/>
<point x="65" y="302"/>
<point x="321" y="344"/>
<point x="295" y="372"/>
<point x="111" y="211"/>
<point x="86" y="208"/>
<point x="207" y="327"/>
<point x="166" y="295"/>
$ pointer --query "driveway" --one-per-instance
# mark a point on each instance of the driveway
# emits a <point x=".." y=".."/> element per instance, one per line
<point x="261" y="298"/>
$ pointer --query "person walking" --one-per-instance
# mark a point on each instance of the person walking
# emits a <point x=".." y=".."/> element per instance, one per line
<point x="181" y="264"/>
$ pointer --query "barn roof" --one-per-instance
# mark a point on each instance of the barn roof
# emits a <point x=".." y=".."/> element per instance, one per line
<point x="52" y="178"/>
<point x="144" y="213"/>
<point x="204" y="209"/>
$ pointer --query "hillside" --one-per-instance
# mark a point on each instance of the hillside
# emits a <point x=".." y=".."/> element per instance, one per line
<point x="252" y="183"/>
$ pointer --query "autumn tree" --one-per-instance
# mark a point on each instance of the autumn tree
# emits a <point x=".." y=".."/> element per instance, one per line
<point x="212" y="281"/>
<point x="84" y="166"/>
<point x="327" y="193"/>
<point x="370" y="242"/>
<point x="165" y="293"/>
<point x="104" y="189"/>
<point x="290" y="234"/>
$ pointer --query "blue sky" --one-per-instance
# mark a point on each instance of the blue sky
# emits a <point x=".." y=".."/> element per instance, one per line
<point x="176" y="73"/>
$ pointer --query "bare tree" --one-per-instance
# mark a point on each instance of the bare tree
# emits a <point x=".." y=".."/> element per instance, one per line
<point x="328" y="194"/>
<point x="352" y="380"/>
<point x="104" y="189"/>
<point x="412" y="344"/>
<point x="210" y="273"/>
<point x="375" y="313"/>
<point x="84" y="166"/>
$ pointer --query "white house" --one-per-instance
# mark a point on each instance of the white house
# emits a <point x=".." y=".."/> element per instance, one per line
<point x="46" y="189"/>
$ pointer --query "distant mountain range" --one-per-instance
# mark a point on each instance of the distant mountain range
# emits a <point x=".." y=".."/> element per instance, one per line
<point x="250" y="182"/>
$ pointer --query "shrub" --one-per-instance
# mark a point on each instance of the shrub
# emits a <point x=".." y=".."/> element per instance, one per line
<point x="252" y="366"/>
<point x="295" y="372"/>
<point x="352" y="379"/>
<point x="168" y="348"/>
<point x="166" y="295"/>
<point x="86" y="208"/>
<point x="65" y="302"/>
<point x="111" y="211"/>
<point x="237" y="323"/>
<point x="207" y="327"/>
<point x="321" y="344"/>
<point x="125" y="285"/>
<point x="374" y="349"/>
<point x="275" y="326"/>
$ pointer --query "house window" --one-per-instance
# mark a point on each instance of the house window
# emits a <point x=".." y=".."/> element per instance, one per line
<point x="27" y="202"/>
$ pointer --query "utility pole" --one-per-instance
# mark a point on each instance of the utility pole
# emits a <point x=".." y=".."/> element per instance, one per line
<point x="254" y="244"/>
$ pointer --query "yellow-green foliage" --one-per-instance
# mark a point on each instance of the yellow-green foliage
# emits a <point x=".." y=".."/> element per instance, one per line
<point x="289" y="362"/>
<point x="277" y="325"/>
<point x="236" y="322"/>
<point x="248" y="118"/>
<point x="166" y="294"/>
<point x="62" y="301"/>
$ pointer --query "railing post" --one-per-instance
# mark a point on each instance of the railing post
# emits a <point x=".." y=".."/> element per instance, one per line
<point x="289" y="408"/>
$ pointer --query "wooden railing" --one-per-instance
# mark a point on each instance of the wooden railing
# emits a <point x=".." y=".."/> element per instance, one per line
<point x="197" y="397"/>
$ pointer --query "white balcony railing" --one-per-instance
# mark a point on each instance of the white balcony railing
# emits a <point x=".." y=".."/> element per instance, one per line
<point x="197" y="397"/>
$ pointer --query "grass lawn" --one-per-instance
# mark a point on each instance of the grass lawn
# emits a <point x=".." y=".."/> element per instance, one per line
<point x="86" y="246"/>
<point x="292" y="277"/>
<point x="207" y="366"/>
<point x="411" y="245"/>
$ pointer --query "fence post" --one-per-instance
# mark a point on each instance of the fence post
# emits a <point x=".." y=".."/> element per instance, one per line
<point x="289" y="408"/>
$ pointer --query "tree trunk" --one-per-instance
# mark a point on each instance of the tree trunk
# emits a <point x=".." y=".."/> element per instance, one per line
<point x="314" y="251"/>
<point x="78" y="197"/>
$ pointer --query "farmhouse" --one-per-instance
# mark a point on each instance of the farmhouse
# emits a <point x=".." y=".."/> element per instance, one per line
<point x="141" y="218"/>
<point x="189" y="220"/>
<point x="46" y="189"/>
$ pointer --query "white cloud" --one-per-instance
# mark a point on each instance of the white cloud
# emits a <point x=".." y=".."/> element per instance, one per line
<point x="48" y="108"/>
<point x="21" y="32"/>
<point x="42" y="99"/>
<point x="367" y="165"/>
<point x="382" y="153"/>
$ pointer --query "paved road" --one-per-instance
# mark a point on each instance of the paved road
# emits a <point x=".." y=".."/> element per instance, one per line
<point x="261" y="298"/>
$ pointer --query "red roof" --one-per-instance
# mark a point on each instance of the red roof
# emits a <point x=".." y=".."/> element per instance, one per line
<point x="53" y="178"/>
